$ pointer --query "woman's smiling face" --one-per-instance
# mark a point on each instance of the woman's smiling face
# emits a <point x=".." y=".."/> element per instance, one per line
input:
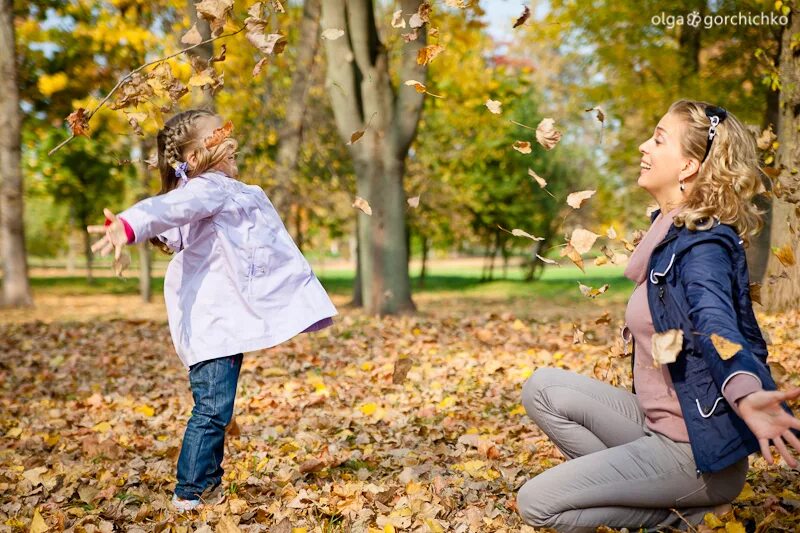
<point x="662" y="158"/>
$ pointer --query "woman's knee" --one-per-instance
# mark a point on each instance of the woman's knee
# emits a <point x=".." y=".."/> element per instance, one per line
<point x="532" y="505"/>
<point x="533" y="389"/>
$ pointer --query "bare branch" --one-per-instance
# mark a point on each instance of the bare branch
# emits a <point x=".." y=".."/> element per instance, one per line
<point x="128" y="76"/>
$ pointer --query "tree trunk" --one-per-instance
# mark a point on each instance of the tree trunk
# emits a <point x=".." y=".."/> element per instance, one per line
<point x="145" y="250"/>
<point x="290" y="134"/>
<point x="16" y="287"/>
<point x="758" y="252"/>
<point x="87" y="253"/>
<point x="202" y="53"/>
<point x="781" y="293"/>
<point x="364" y="100"/>
<point x="423" y="271"/>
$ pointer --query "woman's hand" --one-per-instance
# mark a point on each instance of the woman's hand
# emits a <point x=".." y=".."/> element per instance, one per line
<point x="763" y="414"/>
<point x="114" y="237"/>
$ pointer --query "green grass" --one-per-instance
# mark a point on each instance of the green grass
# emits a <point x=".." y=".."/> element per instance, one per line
<point x="559" y="284"/>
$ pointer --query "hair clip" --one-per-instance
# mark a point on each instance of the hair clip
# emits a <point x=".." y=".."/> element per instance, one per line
<point x="717" y="116"/>
<point x="180" y="171"/>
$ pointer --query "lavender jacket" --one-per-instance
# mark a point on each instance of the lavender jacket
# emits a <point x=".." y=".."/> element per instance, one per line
<point x="237" y="281"/>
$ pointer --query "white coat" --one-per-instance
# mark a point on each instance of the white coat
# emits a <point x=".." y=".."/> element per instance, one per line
<point x="237" y="281"/>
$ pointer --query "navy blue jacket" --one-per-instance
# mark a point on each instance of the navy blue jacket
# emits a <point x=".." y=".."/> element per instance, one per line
<point x="698" y="282"/>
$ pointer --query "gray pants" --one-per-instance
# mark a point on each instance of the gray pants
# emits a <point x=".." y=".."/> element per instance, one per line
<point x="618" y="472"/>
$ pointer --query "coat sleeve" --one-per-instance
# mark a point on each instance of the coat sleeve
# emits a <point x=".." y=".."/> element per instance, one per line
<point x="199" y="198"/>
<point x="706" y="273"/>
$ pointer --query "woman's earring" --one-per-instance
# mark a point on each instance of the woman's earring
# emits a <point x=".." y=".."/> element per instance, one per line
<point x="683" y="187"/>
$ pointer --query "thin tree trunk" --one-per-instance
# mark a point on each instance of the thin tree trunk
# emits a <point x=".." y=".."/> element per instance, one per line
<point x="290" y="134"/>
<point x="145" y="251"/>
<point x="16" y="287"/>
<point x="87" y="253"/>
<point x="423" y="271"/>
<point x="358" y="295"/>
<point x="783" y="293"/>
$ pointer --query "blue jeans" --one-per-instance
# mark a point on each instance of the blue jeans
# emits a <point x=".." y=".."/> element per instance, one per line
<point x="213" y="385"/>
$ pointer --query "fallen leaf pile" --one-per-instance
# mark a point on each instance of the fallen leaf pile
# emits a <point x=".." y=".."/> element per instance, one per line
<point x="376" y="424"/>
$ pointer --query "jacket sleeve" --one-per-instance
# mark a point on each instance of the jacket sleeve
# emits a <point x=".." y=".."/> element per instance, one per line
<point x="706" y="273"/>
<point x="199" y="198"/>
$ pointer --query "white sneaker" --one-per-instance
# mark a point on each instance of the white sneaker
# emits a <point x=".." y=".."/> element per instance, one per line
<point x="210" y="496"/>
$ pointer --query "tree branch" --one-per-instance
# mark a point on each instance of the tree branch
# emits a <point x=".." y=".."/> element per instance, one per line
<point x="135" y="71"/>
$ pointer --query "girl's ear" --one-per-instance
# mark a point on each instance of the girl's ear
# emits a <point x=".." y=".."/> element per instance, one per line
<point x="191" y="158"/>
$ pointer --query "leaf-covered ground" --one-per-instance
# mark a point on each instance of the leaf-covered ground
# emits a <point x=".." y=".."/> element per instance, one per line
<point x="393" y="424"/>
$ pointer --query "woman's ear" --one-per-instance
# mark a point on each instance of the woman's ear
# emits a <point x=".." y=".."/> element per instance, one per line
<point x="690" y="167"/>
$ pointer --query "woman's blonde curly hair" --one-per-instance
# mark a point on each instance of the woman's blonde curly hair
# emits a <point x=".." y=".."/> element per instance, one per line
<point x="727" y="180"/>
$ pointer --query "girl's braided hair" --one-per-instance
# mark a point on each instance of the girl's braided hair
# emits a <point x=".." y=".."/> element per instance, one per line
<point x="178" y="138"/>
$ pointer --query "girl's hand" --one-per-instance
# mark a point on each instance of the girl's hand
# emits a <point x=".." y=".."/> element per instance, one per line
<point x="114" y="237"/>
<point x="763" y="414"/>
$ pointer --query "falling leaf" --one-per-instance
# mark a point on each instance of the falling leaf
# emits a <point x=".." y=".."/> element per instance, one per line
<point x="78" y="122"/>
<point x="494" y="106"/>
<point x="725" y="348"/>
<point x="202" y="78"/>
<point x="546" y="133"/>
<point x="526" y="13"/>
<point x="420" y="88"/>
<point x="397" y="19"/>
<point x="576" y="199"/>
<point x="259" y="66"/>
<point x="601" y="116"/>
<point x="422" y="16"/>
<point x="591" y="292"/>
<point x="215" y="12"/>
<point x="192" y="37"/>
<point x="542" y="183"/>
<point x="522" y="233"/>
<point x="546" y="260"/>
<point x="413" y="201"/>
<point x="523" y="147"/>
<point x="582" y="240"/>
<point x="363" y="205"/>
<point x="356" y="136"/>
<point x="411" y="36"/>
<point x="574" y="256"/>
<point x="611" y="233"/>
<point x="785" y="255"/>
<point x="428" y="53"/>
<point x="666" y="346"/>
<point x="332" y="34"/>
<point x="219" y="135"/>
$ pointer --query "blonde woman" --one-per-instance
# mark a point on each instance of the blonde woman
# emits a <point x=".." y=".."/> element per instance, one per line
<point x="682" y="439"/>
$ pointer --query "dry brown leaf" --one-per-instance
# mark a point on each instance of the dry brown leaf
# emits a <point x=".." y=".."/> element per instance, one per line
<point x="582" y="240"/>
<point x="215" y="12"/>
<point x="523" y="233"/>
<point x="421" y="17"/>
<point x="78" y="122"/>
<point x="526" y="13"/>
<point x="666" y="346"/>
<point x="785" y="254"/>
<point x="420" y="88"/>
<point x="611" y="233"/>
<point x="428" y="53"/>
<point x="312" y="465"/>
<point x="755" y="292"/>
<point x="574" y="256"/>
<point x="591" y="292"/>
<point x="548" y="261"/>
<point x="494" y="106"/>
<point x="356" y="135"/>
<point x="397" y="19"/>
<point x="766" y="139"/>
<point x="523" y="147"/>
<point x="411" y="36"/>
<point x="542" y="183"/>
<point x="227" y="525"/>
<point x="219" y="135"/>
<point x="363" y="205"/>
<point x="413" y="202"/>
<point x="332" y="34"/>
<point x="259" y="66"/>
<point x="546" y="133"/>
<point x="576" y="199"/>
<point x="725" y="348"/>
<point x="192" y="36"/>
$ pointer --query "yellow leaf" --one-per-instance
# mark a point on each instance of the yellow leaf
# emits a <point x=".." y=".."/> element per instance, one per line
<point x="146" y="410"/>
<point x="447" y="402"/>
<point x="712" y="520"/>
<point x="428" y="53"/>
<point x="226" y="525"/>
<point x="299" y="530"/>
<point x="667" y="345"/>
<point x="369" y="408"/>
<point x="518" y="410"/>
<point x="734" y="527"/>
<point x="725" y="348"/>
<point x="200" y="79"/>
<point x="747" y="493"/>
<point x="50" y="84"/>
<point x="785" y="255"/>
<point x="388" y="528"/>
<point x="38" y="525"/>
<point x="102" y="427"/>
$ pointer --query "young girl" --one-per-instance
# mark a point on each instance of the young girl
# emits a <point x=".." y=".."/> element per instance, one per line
<point x="681" y="441"/>
<point x="236" y="283"/>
